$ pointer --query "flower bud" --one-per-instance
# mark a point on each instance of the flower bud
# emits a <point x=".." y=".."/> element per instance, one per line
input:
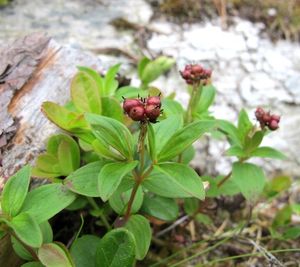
<point x="137" y="113"/>
<point x="128" y="104"/>
<point x="152" y="112"/>
<point x="197" y="69"/>
<point x="153" y="100"/>
<point x="275" y="117"/>
<point x="259" y="113"/>
<point x="273" y="125"/>
<point x="266" y="118"/>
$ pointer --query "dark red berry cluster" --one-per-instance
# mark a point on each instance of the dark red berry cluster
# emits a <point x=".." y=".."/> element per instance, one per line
<point x="267" y="119"/>
<point x="143" y="109"/>
<point x="195" y="74"/>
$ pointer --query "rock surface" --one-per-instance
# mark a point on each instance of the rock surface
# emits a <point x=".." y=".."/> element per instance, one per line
<point x="249" y="69"/>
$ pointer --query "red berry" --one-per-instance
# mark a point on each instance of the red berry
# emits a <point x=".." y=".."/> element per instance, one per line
<point x="137" y="113"/>
<point x="185" y="74"/>
<point x="266" y="118"/>
<point x="128" y="104"/>
<point x="273" y="125"/>
<point x="275" y="118"/>
<point x="197" y="69"/>
<point x="153" y="100"/>
<point x="152" y="112"/>
<point x="259" y="113"/>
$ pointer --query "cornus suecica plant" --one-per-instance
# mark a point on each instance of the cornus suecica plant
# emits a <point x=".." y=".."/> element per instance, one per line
<point x="126" y="163"/>
<point x="143" y="109"/>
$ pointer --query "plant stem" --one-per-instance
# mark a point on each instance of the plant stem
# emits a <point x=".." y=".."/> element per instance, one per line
<point x="28" y="248"/>
<point x="249" y="255"/>
<point x="195" y="96"/>
<point x="138" y="176"/>
<point x="141" y="145"/>
<point x="101" y="215"/>
<point x="132" y="196"/>
<point x="224" y="179"/>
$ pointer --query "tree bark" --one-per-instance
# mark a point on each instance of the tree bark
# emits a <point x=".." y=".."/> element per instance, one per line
<point x="33" y="69"/>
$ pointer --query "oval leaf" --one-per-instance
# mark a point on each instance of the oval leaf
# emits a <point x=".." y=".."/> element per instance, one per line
<point x="175" y="180"/>
<point x="54" y="255"/>
<point x="15" y="191"/>
<point x="162" y="208"/>
<point x="113" y="133"/>
<point x="183" y="138"/>
<point x="84" y="181"/>
<point x="27" y="230"/>
<point x="116" y="249"/>
<point x="249" y="178"/>
<point x="267" y="152"/>
<point x="83" y="251"/>
<point x="111" y="176"/>
<point x="85" y="94"/>
<point x="45" y="201"/>
<point x="140" y="228"/>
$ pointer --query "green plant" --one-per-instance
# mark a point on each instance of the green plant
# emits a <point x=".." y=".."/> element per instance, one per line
<point x="126" y="172"/>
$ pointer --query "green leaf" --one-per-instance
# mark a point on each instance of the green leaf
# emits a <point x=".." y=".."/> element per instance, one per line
<point x="130" y="92"/>
<point x="116" y="249"/>
<point x="151" y="142"/>
<point x="267" y="152"/>
<point x="253" y="142"/>
<point x="85" y="93"/>
<point x="174" y="180"/>
<point x="84" y="181"/>
<point x="244" y="125"/>
<point x="113" y="133"/>
<point x="162" y="208"/>
<point x="249" y="178"/>
<point x="32" y="264"/>
<point x="111" y="176"/>
<point x="54" y="255"/>
<point x="79" y="203"/>
<point x="110" y="82"/>
<point x="283" y="217"/>
<point x="236" y="151"/>
<point x="46" y="232"/>
<point x="15" y="191"/>
<point x="112" y="108"/>
<point x="120" y="198"/>
<point x="45" y="201"/>
<point x="27" y="230"/>
<point x="165" y="129"/>
<point x="46" y="165"/>
<point x="229" y="188"/>
<point x="83" y="251"/>
<point x="292" y="233"/>
<point x="140" y="228"/>
<point x="63" y="118"/>
<point x="230" y="131"/>
<point x="187" y="155"/>
<point x="206" y="99"/>
<point x="141" y="66"/>
<point x="171" y="107"/>
<point x="19" y="249"/>
<point x="105" y="151"/>
<point x="191" y="206"/>
<point x="155" y="68"/>
<point x="96" y="77"/>
<point x="277" y="184"/>
<point x="68" y="156"/>
<point x="183" y="138"/>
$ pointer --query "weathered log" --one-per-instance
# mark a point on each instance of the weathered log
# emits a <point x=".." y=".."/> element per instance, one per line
<point x="33" y="69"/>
